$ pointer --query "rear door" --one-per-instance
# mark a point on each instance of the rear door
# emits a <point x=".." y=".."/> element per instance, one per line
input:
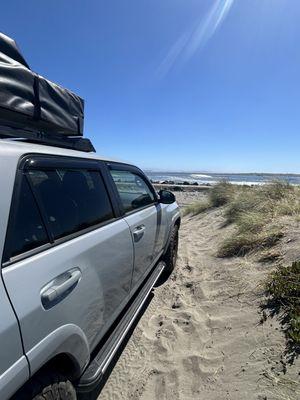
<point x="142" y="212"/>
<point x="14" y="369"/>
<point x="68" y="258"/>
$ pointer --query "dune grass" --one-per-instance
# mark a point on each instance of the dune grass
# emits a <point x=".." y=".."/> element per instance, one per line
<point x="254" y="211"/>
<point x="218" y="196"/>
<point x="242" y="243"/>
<point x="221" y="194"/>
<point x="197" y="208"/>
<point x="283" y="286"/>
<point x="257" y="214"/>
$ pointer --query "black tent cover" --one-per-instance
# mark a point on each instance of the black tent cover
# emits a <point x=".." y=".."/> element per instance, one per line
<point x="27" y="100"/>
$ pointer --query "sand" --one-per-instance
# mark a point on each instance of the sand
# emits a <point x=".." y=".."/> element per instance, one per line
<point x="201" y="336"/>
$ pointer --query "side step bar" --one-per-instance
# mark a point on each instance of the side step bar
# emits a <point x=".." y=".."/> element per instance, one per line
<point x="95" y="371"/>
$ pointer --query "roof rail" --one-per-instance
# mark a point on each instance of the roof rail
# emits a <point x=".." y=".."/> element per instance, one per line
<point x="45" y="138"/>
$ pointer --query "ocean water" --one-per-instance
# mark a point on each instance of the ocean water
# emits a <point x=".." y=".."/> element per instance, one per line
<point x="212" y="178"/>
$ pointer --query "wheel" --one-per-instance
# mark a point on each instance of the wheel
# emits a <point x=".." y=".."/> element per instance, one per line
<point x="170" y="258"/>
<point x="47" y="386"/>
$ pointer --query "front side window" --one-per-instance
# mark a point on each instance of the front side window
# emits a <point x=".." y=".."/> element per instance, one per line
<point x="26" y="230"/>
<point x="133" y="190"/>
<point x="72" y="199"/>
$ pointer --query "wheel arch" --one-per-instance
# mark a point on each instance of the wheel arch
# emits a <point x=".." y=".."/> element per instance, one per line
<point x="66" y="347"/>
<point x="64" y="364"/>
<point x="178" y="222"/>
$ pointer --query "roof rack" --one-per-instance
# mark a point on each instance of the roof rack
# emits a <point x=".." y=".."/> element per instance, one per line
<point x="45" y="138"/>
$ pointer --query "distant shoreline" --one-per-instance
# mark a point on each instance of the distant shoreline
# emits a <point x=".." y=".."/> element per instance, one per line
<point x="251" y="179"/>
<point x="222" y="173"/>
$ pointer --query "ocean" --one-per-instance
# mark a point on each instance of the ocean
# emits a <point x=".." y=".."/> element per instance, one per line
<point x="212" y="178"/>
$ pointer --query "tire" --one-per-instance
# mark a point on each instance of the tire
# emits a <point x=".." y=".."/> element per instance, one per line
<point x="47" y="386"/>
<point x="170" y="258"/>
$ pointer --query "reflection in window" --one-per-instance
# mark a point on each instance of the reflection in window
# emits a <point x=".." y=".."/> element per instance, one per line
<point x="133" y="190"/>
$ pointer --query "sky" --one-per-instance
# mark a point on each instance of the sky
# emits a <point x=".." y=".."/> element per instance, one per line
<point x="179" y="85"/>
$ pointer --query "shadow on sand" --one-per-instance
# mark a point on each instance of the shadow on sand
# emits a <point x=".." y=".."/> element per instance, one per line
<point x="94" y="395"/>
<point x="273" y="308"/>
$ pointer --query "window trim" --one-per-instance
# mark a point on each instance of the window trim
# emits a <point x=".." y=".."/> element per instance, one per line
<point x="65" y="161"/>
<point x="65" y="165"/>
<point x="115" y="166"/>
<point x="51" y="161"/>
<point x="57" y="242"/>
<point x="12" y="217"/>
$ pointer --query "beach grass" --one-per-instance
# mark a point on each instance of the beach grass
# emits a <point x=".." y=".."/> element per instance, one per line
<point x="197" y="208"/>
<point x="221" y="194"/>
<point x="283" y="286"/>
<point x="254" y="211"/>
<point x="242" y="243"/>
<point x="218" y="196"/>
<point x="258" y="216"/>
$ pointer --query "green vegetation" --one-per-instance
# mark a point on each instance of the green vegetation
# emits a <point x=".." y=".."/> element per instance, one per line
<point x="197" y="208"/>
<point x="283" y="286"/>
<point x="258" y="215"/>
<point x="218" y="196"/>
<point x="254" y="211"/>
<point x="242" y="243"/>
<point x="221" y="194"/>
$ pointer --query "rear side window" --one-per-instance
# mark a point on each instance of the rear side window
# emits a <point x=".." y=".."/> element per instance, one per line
<point x="72" y="199"/>
<point x="133" y="190"/>
<point x="26" y="230"/>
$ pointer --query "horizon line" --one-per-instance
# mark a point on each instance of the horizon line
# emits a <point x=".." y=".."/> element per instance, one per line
<point x="219" y="173"/>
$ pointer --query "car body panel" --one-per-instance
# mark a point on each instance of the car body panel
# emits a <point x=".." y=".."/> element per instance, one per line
<point x="145" y="249"/>
<point x="112" y="268"/>
<point x="13" y="378"/>
<point x="67" y="339"/>
<point x="14" y="370"/>
<point x="95" y="301"/>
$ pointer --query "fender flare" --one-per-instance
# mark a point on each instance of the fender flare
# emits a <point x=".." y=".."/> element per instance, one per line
<point x="69" y="340"/>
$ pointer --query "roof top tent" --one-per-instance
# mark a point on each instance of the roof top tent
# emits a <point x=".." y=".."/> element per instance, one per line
<point x="35" y="109"/>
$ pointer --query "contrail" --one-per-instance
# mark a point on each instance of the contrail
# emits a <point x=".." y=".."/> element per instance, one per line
<point x="194" y="39"/>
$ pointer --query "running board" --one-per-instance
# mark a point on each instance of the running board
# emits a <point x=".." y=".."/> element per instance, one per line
<point x="95" y="371"/>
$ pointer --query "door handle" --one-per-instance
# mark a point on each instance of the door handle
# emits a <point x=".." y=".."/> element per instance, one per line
<point x="60" y="287"/>
<point x="138" y="232"/>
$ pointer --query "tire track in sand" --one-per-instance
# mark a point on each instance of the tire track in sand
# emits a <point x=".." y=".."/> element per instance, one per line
<point x="200" y="337"/>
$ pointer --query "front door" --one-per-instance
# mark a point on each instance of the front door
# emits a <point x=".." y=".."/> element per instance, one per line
<point x="141" y="212"/>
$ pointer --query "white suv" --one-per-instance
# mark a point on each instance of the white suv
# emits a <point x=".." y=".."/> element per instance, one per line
<point x="83" y="241"/>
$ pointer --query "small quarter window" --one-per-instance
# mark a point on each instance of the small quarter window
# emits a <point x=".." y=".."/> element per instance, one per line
<point x="26" y="230"/>
<point x="133" y="190"/>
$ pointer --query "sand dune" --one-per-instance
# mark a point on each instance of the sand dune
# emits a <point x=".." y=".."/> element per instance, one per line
<point x="201" y="336"/>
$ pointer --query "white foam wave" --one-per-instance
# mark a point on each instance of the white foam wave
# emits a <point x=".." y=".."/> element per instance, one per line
<point x="199" y="176"/>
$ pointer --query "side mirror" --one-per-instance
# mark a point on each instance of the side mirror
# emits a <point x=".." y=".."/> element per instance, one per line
<point x="166" y="197"/>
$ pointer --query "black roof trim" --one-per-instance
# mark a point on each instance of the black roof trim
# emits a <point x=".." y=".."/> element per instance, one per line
<point x="48" y="139"/>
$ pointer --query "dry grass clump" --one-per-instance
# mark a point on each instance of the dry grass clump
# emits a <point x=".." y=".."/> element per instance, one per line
<point x="255" y="211"/>
<point x="251" y="221"/>
<point x="221" y="194"/>
<point x="242" y="243"/>
<point x="243" y="202"/>
<point x="283" y="285"/>
<point x="218" y="196"/>
<point x="197" y="207"/>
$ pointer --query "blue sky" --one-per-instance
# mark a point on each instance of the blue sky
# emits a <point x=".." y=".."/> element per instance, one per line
<point x="207" y="85"/>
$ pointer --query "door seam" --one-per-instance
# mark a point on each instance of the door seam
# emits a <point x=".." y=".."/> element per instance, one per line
<point x="133" y="255"/>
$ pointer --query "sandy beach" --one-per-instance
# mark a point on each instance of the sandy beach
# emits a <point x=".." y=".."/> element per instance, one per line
<point x="202" y="335"/>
